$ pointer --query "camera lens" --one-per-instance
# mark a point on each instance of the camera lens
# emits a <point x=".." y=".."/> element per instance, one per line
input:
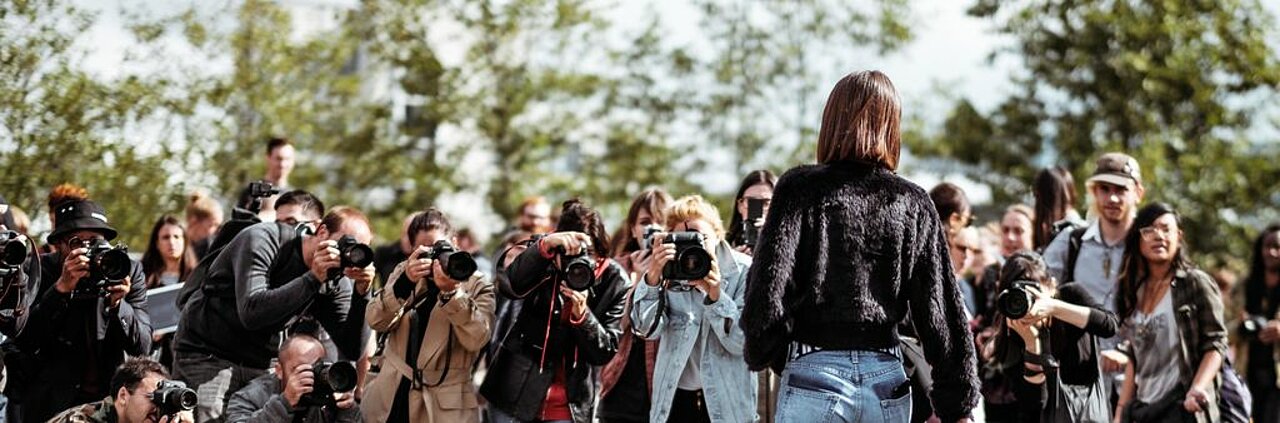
<point x="579" y="274"/>
<point x="340" y="376"/>
<point x="458" y="265"/>
<point x="359" y="255"/>
<point x="695" y="263"/>
<point x="1014" y="303"/>
<point x="14" y="253"/>
<point x="114" y="264"/>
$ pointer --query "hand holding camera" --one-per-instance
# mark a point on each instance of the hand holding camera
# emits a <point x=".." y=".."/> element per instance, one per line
<point x="172" y="398"/>
<point x="321" y="384"/>
<point x="96" y="265"/>
<point x="680" y="256"/>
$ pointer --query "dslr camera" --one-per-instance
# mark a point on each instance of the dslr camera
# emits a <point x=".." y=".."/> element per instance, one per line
<point x="330" y="378"/>
<point x="173" y="397"/>
<point x="646" y="241"/>
<point x="352" y="254"/>
<point x="459" y="265"/>
<point x="578" y="271"/>
<point x="692" y="261"/>
<point x="1251" y="325"/>
<point x="1015" y="302"/>
<point x="13" y="252"/>
<point x="108" y="265"/>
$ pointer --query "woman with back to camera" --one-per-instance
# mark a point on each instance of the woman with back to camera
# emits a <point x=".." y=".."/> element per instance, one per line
<point x="1055" y="192"/>
<point x="1070" y="322"/>
<point x="625" y="382"/>
<point x="848" y="249"/>
<point x="1172" y="313"/>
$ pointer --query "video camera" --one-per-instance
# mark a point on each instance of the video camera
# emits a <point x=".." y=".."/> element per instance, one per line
<point x="13" y="252"/>
<point x="352" y="254"/>
<point x="108" y="265"/>
<point x="173" y="397"/>
<point x="330" y="378"/>
<point x="459" y="265"/>
<point x="257" y="191"/>
<point x="1015" y="302"/>
<point x="692" y="261"/>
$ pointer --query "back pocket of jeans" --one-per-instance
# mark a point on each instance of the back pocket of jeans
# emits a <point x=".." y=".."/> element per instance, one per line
<point x="897" y="408"/>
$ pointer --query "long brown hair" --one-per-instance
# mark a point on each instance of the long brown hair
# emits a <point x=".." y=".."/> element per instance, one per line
<point x="861" y="121"/>
<point x="756" y="177"/>
<point x="1055" y="193"/>
<point x="153" y="263"/>
<point x="652" y="200"/>
<point x="1136" y="269"/>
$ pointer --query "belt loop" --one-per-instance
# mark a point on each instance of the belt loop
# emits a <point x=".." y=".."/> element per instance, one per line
<point x="417" y="379"/>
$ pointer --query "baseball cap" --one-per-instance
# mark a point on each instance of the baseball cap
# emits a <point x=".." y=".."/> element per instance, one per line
<point x="1117" y="169"/>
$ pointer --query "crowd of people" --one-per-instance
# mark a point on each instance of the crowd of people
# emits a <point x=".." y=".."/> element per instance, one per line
<point x="839" y="291"/>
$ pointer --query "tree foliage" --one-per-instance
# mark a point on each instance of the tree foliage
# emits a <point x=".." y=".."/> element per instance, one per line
<point x="1176" y="84"/>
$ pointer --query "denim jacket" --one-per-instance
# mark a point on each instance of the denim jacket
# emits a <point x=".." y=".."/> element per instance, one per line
<point x="728" y="386"/>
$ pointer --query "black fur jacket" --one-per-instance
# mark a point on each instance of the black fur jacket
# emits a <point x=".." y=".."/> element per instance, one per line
<point x="848" y="250"/>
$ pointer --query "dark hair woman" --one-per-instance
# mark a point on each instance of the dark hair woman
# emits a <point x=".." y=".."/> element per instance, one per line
<point x="545" y="368"/>
<point x="1260" y="327"/>
<point x="1055" y="209"/>
<point x="848" y="249"/>
<point x="1070" y="322"/>
<point x="756" y="186"/>
<point x="169" y="258"/>
<point x="624" y="382"/>
<point x="1173" y="314"/>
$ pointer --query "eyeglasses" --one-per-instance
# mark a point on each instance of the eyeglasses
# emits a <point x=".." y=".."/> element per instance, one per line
<point x="1149" y="233"/>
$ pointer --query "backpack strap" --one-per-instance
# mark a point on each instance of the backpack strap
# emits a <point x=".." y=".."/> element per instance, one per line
<point x="1073" y="253"/>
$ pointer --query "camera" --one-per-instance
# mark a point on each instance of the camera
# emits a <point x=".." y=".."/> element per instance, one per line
<point x="1252" y="325"/>
<point x="578" y="271"/>
<point x="330" y="378"/>
<point x="13" y="252"/>
<point x="1015" y="302"/>
<point x="352" y="254"/>
<point x="646" y="241"/>
<point x="692" y="261"/>
<point x="459" y="265"/>
<point x="257" y="191"/>
<point x="173" y="397"/>
<point x="108" y="265"/>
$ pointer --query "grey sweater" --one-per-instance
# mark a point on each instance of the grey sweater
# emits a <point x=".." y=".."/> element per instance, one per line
<point x="262" y="401"/>
<point x="252" y="290"/>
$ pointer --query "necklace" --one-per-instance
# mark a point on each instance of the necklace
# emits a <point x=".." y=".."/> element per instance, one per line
<point x="1106" y="258"/>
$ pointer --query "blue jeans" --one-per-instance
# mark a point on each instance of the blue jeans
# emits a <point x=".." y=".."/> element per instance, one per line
<point x="844" y="386"/>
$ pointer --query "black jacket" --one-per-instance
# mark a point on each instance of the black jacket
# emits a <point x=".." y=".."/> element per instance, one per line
<point x="846" y="251"/>
<point x="518" y="380"/>
<point x="262" y="401"/>
<point x="253" y="290"/>
<point x="74" y="343"/>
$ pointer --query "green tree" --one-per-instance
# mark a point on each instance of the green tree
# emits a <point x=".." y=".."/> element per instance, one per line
<point x="1174" y="83"/>
<point x="60" y="124"/>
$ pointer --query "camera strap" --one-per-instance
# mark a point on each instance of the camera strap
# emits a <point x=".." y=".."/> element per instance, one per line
<point x="662" y="307"/>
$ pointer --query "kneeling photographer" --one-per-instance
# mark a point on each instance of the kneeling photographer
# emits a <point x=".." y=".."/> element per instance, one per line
<point x="303" y="388"/>
<point x="438" y="312"/>
<point x="573" y="300"/>
<point x="140" y="392"/>
<point x="90" y="311"/>
<point x="690" y="300"/>
<point x="1053" y="361"/>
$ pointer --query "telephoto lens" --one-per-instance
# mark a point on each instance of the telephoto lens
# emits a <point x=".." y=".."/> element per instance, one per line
<point x="1015" y="302"/>
<point x="13" y="252"/>
<point x="172" y="397"/>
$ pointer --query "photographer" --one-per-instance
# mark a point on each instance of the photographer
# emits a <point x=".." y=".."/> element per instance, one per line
<point x="438" y="325"/>
<point x="1260" y="327"/>
<point x="90" y="311"/>
<point x="18" y="279"/>
<point x="132" y="398"/>
<point x="270" y="276"/>
<point x="280" y="162"/>
<point x="755" y="194"/>
<point x="1071" y="323"/>
<point x="699" y="375"/>
<point x="291" y="393"/>
<point x="544" y="370"/>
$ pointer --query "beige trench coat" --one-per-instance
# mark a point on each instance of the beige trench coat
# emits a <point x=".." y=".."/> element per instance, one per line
<point x="470" y="316"/>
